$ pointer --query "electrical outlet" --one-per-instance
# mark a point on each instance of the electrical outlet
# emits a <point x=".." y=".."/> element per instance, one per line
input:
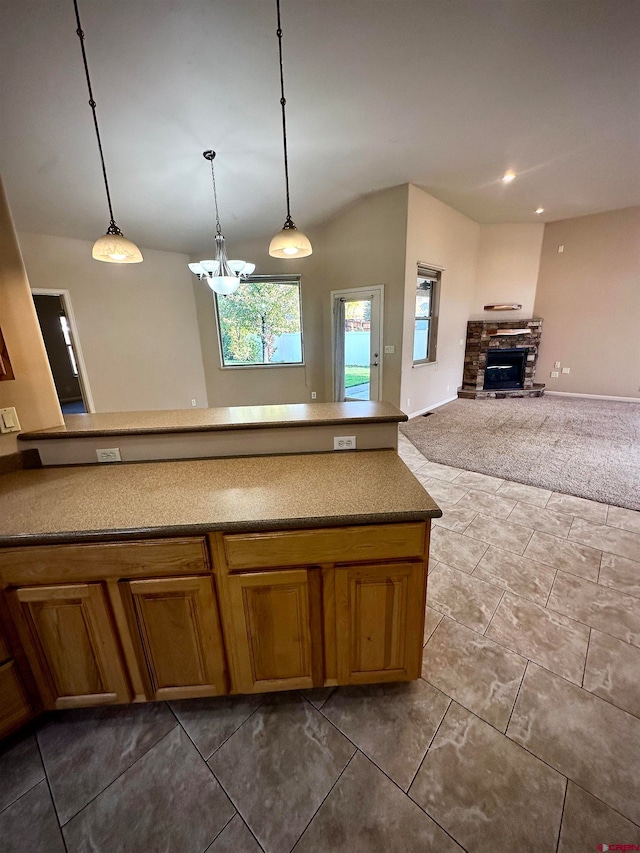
<point x="554" y="374"/>
<point x="193" y="402"/>
<point x="461" y="341"/>
<point x="313" y="395"/>
<point x="389" y="350"/>
<point x="344" y="442"/>
<point x="560" y="249"/>
<point x="108" y="454"/>
<point x="9" y="420"/>
<point x="557" y="365"/>
<point x="566" y="370"/>
<point x="408" y="401"/>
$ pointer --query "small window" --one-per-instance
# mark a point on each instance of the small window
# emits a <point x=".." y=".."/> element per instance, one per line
<point x="261" y="323"/>
<point x="425" y="331"/>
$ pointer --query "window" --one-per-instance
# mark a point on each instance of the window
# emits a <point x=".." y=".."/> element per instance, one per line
<point x="426" y="317"/>
<point x="261" y="323"/>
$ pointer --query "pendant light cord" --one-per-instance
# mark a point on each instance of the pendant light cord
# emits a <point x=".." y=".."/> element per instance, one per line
<point x="113" y="228"/>
<point x="215" y="194"/>
<point x="283" y="102"/>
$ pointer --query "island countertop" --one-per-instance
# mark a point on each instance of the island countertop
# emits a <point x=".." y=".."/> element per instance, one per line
<point x="216" y="419"/>
<point x="186" y="497"/>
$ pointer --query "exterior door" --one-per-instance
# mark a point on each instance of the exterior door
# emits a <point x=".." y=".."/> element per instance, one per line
<point x="357" y="343"/>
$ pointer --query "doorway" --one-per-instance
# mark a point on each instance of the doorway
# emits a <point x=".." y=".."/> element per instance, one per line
<point x="357" y="343"/>
<point x="57" y="325"/>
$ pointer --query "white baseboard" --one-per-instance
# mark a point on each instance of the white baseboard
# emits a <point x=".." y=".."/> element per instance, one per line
<point x="593" y="396"/>
<point x="432" y="406"/>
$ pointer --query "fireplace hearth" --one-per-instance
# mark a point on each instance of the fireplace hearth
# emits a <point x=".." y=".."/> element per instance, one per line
<point x="500" y="359"/>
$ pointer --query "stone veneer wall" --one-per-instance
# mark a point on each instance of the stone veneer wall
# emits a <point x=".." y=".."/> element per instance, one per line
<point x="480" y="340"/>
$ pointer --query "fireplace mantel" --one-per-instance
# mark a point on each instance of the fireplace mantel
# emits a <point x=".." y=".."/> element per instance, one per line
<point x="510" y="334"/>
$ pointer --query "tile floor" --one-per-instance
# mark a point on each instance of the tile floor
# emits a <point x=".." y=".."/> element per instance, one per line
<point x="523" y="734"/>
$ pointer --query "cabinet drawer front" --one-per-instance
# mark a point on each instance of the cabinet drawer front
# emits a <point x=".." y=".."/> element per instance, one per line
<point x="71" y="644"/>
<point x="325" y="545"/>
<point x="178" y="624"/>
<point x="14" y="705"/>
<point x="63" y="563"/>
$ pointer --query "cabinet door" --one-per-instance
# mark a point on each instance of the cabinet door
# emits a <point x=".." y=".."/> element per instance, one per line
<point x="71" y="644"/>
<point x="15" y="709"/>
<point x="179" y="628"/>
<point x="277" y="630"/>
<point x="380" y="612"/>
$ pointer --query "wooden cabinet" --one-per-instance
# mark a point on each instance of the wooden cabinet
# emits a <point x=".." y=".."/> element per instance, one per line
<point x="275" y="622"/>
<point x="71" y="644"/>
<point x="15" y="709"/>
<point x="380" y="613"/>
<point x="177" y="625"/>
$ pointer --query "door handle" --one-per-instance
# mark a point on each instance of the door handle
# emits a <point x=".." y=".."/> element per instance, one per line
<point x="373" y="364"/>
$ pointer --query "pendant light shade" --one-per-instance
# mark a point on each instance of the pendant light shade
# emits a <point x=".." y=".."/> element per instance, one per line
<point x="114" y="248"/>
<point x="222" y="276"/>
<point x="288" y="243"/>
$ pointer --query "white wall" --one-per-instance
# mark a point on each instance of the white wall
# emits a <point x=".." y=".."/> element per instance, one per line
<point x="440" y="236"/>
<point x="137" y="323"/>
<point x="507" y="269"/>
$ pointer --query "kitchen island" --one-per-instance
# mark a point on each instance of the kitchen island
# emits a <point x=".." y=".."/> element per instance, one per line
<point x="162" y="580"/>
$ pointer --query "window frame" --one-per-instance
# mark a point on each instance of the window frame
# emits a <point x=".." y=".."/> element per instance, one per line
<point x="433" y="273"/>
<point x="294" y="278"/>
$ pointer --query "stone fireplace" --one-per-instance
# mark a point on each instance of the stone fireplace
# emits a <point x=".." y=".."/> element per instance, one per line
<point x="500" y="359"/>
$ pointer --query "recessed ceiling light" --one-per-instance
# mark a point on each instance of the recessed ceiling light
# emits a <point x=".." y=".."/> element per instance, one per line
<point x="508" y="177"/>
<point x="539" y="210"/>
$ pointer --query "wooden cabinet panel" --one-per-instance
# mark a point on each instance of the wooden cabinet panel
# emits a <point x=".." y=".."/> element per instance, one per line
<point x="325" y="545"/>
<point x="276" y="629"/>
<point x="71" y="645"/>
<point x="179" y="628"/>
<point x="4" y="650"/>
<point x="380" y="613"/>
<point x="68" y="563"/>
<point x="15" y="709"/>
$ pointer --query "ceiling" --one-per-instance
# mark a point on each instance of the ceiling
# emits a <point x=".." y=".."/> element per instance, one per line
<point x="446" y="94"/>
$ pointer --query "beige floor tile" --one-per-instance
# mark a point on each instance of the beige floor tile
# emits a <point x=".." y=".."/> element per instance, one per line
<point x="475" y="671"/>
<point x="522" y="492"/>
<point x="368" y="715"/>
<point x="455" y="550"/>
<point x="473" y="480"/>
<point x="598" y="606"/>
<point x="570" y="557"/>
<point x="610" y="539"/>
<point x="585" y="738"/>
<point x="462" y="597"/>
<point x="502" y="534"/>
<point x="620" y="573"/>
<point x="431" y="621"/>
<point x="486" y="791"/>
<point x="441" y="490"/>
<point x="438" y="472"/>
<point x="627" y="519"/>
<point x="517" y="574"/>
<point x="613" y="671"/>
<point x="455" y="518"/>
<point x="487" y="503"/>
<point x="586" y="821"/>
<point x="545" y="520"/>
<point x="545" y="637"/>
<point x="583" y="508"/>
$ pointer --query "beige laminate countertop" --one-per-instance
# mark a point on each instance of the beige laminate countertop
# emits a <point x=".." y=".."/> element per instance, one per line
<point x="224" y="418"/>
<point x="194" y="496"/>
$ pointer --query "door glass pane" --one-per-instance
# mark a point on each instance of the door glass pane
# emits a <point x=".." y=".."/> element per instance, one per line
<point x="357" y="349"/>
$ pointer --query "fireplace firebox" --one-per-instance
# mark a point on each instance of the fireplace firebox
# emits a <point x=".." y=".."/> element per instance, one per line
<point x="505" y="368"/>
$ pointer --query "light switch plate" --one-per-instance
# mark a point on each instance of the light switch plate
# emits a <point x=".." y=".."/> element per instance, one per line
<point x="389" y="350"/>
<point x="554" y="374"/>
<point x="566" y="370"/>
<point x="9" y="420"/>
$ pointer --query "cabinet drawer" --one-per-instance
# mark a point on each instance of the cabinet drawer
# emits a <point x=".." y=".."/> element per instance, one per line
<point x="324" y="545"/>
<point x="64" y="563"/>
<point x="14" y="705"/>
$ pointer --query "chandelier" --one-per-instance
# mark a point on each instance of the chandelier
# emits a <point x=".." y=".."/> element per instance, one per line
<point x="222" y="276"/>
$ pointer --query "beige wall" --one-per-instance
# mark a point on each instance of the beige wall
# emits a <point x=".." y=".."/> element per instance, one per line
<point x="589" y="298"/>
<point x="438" y="235"/>
<point x="32" y="392"/>
<point x="137" y="323"/>
<point x="507" y="269"/>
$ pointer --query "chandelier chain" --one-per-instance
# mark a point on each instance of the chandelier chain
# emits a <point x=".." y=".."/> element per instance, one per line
<point x="283" y="103"/>
<point x="215" y="197"/>
<point x="113" y="228"/>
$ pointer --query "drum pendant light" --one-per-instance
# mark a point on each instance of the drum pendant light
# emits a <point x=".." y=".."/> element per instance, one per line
<point x="113" y="248"/>
<point x="288" y="243"/>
